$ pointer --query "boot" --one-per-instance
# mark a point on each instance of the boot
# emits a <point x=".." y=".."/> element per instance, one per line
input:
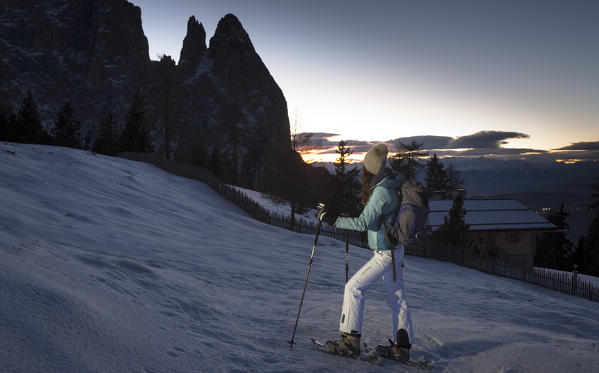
<point x="397" y="351"/>
<point x="348" y="345"/>
<point x="401" y="350"/>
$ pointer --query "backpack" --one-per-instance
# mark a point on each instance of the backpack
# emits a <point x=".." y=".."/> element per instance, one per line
<point x="409" y="226"/>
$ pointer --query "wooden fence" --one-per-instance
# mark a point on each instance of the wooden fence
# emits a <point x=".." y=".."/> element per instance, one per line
<point x="565" y="282"/>
<point x="568" y="283"/>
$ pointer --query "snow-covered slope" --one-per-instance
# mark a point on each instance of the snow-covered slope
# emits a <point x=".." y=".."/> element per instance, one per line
<point x="278" y="206"/>
<point x="108" y="265"/>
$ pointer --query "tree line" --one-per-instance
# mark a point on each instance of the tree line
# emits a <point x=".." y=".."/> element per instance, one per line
<point x="107" y="136"/>
<point x="555" y="250"/>
<point x="439" y="181"/>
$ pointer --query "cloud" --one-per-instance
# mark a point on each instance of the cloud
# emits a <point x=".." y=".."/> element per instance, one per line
<point x="322" y="142"/>
<point x="583" y="145"/>
<point x="428" y="142"/>
<point x="479" y="140"/>
<point x="319" y="139"/>
<point x="494" y="152"/>
<point x="485" y="139"/>
<point x="487" y="142"/>
<point x="483" y="144"/>
<point x="322" y="135"/>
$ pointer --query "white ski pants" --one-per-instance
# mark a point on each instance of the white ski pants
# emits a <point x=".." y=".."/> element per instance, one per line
<point x="353" y="300"/>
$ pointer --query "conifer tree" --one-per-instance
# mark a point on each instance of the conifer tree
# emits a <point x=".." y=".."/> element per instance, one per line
<point x="582" y="256"/>
<point x="454" y="181"/>
<point x="406" y="160"/>
<point x="234" y="137"/>
<point x="6" y="124"/>
<point x="197" y="150"/>
<point x="214" y="163"/>
<point x="454" y="230"/>
<point x="28" y="126"/>
<point x="595" y="194"/>
<point x="347" y="199"/>
<point x="554" y="249"/>
<point x="106" y="142"/>
<point x="436" y="177"/>
<point x="3" y="127"/>
<point x="135" y="137"/>
<point x="341" y="163"/>
<point x="592" y="247"/>
<point x="167" y="75"/>
<point x="67" y="127"/>
<point x="587" y="251"/>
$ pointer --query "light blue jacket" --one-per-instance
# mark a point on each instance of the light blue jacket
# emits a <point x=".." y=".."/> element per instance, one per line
<point x="383" y="204"/>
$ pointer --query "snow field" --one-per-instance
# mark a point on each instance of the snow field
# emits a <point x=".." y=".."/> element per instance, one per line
<point x="108" y="265"/>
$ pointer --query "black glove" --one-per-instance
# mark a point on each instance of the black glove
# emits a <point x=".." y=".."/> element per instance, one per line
<point x="325" y="215"/>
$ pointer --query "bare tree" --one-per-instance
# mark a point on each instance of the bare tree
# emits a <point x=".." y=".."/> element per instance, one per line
<point x="300" y="141"/>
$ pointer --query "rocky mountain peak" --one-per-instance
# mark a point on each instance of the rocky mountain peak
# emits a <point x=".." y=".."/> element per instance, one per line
<point x="230" y="34"/>
<point x="194" y="45"/>
<point x="220" y="107"/>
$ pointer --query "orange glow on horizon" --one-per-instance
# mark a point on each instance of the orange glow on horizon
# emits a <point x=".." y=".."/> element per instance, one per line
<point x="325" y="155"/>
<point x="317" y="156"/>
<point x="568" y="161"/>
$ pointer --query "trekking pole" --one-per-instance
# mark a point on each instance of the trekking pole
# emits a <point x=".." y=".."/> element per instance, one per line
<point x="393" y="264"/>
<point x="291" y="342"/>
<point x="346" y="256"/>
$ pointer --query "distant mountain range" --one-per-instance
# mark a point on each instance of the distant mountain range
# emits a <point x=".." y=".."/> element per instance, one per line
<point x="539" y="187"/>
<point x="489" y="177"/>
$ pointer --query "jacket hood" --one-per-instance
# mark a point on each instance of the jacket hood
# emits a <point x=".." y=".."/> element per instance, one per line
<point x="413" y="193"/>
<point x="387" y="179"/>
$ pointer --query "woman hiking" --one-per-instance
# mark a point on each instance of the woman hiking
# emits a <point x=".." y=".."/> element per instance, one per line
<point x="381" y="203"/>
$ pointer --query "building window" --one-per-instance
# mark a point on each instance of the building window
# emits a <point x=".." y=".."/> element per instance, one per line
<point x="512" y="237"/>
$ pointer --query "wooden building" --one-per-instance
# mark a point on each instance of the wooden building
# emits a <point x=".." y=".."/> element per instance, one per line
<point x="501" y="229"/>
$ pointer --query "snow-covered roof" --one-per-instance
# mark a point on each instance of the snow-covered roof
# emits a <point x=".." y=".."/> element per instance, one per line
<point x="491" y="215"/>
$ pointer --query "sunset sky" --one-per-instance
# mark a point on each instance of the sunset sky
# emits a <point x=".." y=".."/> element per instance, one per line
<point x="381" y="70"/>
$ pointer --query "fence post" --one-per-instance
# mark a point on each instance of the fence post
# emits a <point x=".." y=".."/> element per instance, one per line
<point x="574" y="280"/>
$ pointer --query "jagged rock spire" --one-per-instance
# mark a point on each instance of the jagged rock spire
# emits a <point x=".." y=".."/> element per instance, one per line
<point x="229" y="32"/>
<point x="194" y="44"/>
<point x="250" y="105"/>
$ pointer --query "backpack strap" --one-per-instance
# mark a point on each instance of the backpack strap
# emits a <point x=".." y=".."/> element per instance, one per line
<point x="386" y="226"/>
<point x="385" y="231"/>
<point x="386" y="234"/>
<point x="411" y="207"/>
<point x="388" y="240"/>
<point x="393" y="264"/>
